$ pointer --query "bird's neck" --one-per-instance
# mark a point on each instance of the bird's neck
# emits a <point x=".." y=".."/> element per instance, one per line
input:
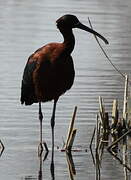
<point x="69" y="40"/>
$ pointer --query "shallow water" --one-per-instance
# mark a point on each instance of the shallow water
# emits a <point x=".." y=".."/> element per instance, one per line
<point x="26" y="26"/>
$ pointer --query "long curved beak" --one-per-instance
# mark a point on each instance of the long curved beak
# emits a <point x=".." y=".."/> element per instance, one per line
<point x="85" y="28"/>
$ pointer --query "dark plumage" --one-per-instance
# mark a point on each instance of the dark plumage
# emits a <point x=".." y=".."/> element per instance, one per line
<point x="48" y="74"/>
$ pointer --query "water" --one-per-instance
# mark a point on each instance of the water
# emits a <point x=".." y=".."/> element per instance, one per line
<point x="26" y="26"/>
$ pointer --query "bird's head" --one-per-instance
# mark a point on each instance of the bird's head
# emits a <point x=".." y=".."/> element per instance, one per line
<point x="69" y="21"/>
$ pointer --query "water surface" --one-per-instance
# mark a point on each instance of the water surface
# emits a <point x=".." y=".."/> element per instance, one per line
<point x="28" y="25"/>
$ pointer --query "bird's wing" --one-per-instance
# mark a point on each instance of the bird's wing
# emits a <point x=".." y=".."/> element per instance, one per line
<point x="33" y="70"/>
<point x="27" y="87"/>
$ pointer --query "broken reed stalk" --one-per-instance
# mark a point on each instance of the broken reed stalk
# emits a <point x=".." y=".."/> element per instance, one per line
<point x="114" y="113"/>
<point x="97" y="144"/>
<point x="125" y="101"/>
<point x="96" y="139"/>
<point x="71" y="139"/>
<point x="71" y="132"/>
<point x="106" y="122"/>
<point x="114" y="125"/>
<point x="125" y="124"/>
<point x="105" y="128"/>
<point x="101" y="109"/>
<point x="104" y="119"/>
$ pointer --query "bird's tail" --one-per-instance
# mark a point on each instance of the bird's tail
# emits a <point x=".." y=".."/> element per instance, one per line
<point x="27" y="94"/>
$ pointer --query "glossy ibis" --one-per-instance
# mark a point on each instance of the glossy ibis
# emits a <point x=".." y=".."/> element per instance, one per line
<point x="49" y="71"/>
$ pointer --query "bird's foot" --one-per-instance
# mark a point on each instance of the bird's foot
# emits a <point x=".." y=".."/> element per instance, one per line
<point x="40" y="149"/>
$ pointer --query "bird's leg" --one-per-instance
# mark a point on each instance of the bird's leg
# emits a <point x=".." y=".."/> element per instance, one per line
<point x="53" y="124"/>
<point x="52" y="128"/>
<point x="40" y="147"/>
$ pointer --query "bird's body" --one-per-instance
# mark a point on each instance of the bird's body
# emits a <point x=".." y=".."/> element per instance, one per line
<point x="49" y="71"/>
<point x="48" y="74"/>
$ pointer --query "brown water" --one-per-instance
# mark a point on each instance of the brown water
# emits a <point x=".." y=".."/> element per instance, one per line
<point x="26" y="26"/>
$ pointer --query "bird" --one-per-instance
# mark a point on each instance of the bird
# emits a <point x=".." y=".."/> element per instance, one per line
<point x="49" y="71"/>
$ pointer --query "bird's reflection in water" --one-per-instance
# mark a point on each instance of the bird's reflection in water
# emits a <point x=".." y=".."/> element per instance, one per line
<point x="52" y="165"/>
<point x="40" y="172"/>
<point x="41" y="160"/>
<point x="40" y="168"/>
<point x="71" y="167"/>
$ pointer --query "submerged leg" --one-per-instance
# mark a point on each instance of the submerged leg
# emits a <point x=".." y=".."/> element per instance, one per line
<point x="40" y="147"/>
